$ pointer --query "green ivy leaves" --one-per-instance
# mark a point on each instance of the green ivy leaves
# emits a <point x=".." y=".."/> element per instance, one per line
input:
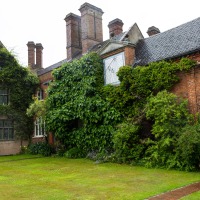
<point x="22" y="85"/>
<point x="77" y="113"/>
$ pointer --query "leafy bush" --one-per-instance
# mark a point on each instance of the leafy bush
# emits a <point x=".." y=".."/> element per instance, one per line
<point x="41" y="148"/>
<point x="128" y="147"/>
<point x="75" y="153"/>
<point x="188" y="148"/>
<point x="170" y="115"/>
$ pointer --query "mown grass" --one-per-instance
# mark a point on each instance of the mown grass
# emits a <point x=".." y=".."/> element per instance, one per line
<point x="51" y="178"/>
<point x="193" y="196"/>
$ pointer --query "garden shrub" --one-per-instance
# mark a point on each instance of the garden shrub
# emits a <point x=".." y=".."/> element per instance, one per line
<point x="188" y="148"/>
<point x="170" y="114"/>
<point x="75" y="153"/>
<point x="41" y="148"/>
<point x="128" y="146"/>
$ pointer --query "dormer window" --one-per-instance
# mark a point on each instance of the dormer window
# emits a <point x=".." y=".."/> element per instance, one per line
<point x="4" y="96"/>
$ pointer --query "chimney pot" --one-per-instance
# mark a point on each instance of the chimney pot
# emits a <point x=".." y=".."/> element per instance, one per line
<point x="153" y="31"/>
<point x="115" y="27"/>
<point x="73" y="35"/>
<point x="31" y="54"/>
<point x="91" y="25"/>
<point x="39" y="60"/>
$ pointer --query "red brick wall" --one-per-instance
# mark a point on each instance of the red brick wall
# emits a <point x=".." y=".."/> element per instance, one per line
<point x="189" y="85"/>
<point x="129" y="53"/>
<point x="45" y="78"/>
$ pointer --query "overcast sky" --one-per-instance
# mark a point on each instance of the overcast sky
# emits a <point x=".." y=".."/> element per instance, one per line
<point x="42" y="21"/>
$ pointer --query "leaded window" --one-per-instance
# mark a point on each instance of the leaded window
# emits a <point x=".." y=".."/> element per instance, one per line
<point x="4" y="96"/>
<point x="6" y="129"/>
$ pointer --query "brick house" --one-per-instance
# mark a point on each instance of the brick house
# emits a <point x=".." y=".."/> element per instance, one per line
<point x="9" y="144"/>
<point x="84" y="34"/>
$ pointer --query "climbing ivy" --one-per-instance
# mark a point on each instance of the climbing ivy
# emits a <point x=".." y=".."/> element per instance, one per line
<point x="76" y="112"/>
<point x="139" y="120"/>
<point x="138" y="83"/>
<point x="21" y="84"/>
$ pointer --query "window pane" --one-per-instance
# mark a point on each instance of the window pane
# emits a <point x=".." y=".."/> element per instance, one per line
<point x="5" y="99"/>
<point x="3" y="91"/>
<point x="1" y="134"/>
<point x="1" y="123"/>
<point x="11" y="134"/>
<point x="5" y="134"/>
<point x="8" y="123"/>
<point x="39" y="127"/>
<point x="1" y="99"/>
<point x="36" y="130"/>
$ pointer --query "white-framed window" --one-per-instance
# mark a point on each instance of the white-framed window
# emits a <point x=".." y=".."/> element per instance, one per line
<point x="4" y="96"/>
<point x="111" y="67"/>
<point x="39" y="127"/>
<point x="6" y="129"/>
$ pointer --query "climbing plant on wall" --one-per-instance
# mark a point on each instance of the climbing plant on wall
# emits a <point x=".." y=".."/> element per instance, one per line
<point x="144" y="99"/>
<point x="21" y="85"/>
<point x="138" y="83"/>
<point x="76" y="112"/>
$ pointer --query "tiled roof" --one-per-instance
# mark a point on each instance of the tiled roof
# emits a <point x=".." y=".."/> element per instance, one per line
<point x="173" y="43"/>
<point x="50" y="68"/>
<point x="102" y="44"/>
<point x="176" y="42"/>
<point x="56" y="65"/>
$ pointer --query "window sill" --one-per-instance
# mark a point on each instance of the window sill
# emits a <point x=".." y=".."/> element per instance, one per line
<point x="39" y="136"/>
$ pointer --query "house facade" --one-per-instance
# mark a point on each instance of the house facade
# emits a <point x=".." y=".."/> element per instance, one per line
<point x="9" y="144"/>
<point x="84" y="34"/>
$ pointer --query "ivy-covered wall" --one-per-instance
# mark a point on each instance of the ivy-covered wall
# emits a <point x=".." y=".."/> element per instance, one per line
<point x="139" y="121"/>
<point x="21" y="85"/>
<point x="76" y="112"/>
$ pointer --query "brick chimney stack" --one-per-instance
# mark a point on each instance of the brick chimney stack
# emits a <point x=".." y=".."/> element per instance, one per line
<point x="73" y="35"/>
<point x="31" y="54"/>
<point x="39" y="60"/>
<point x="91" y="25"/>
<point x="115" y="27"/>
<point x="152" y="31"/>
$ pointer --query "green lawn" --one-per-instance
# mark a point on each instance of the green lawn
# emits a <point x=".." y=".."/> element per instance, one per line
<point x="193" y="196"/>
<point x="81" y="179"/>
